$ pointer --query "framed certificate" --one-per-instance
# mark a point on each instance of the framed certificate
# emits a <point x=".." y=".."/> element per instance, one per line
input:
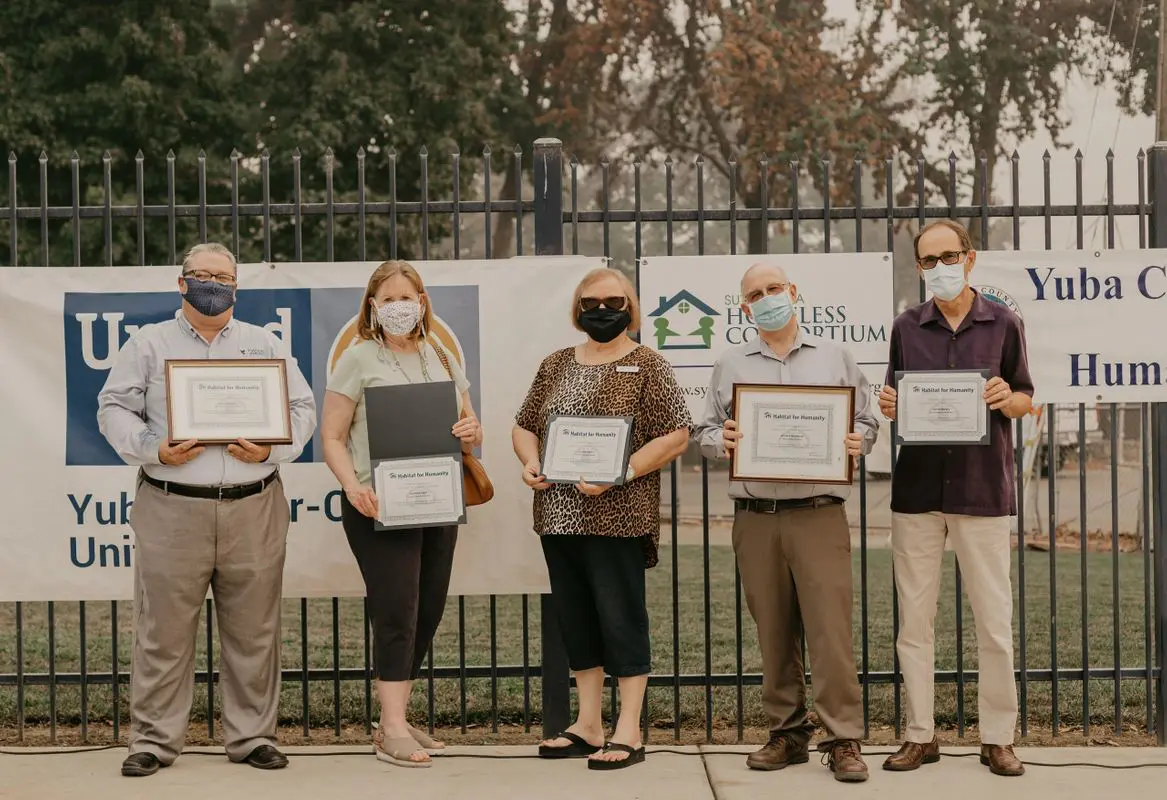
<point x="418" y="492"/>
<point x="793" y="434"/>
<point x="592" y="449"/>
<point x="942" y="408"/>
<point x="219" y="401"/>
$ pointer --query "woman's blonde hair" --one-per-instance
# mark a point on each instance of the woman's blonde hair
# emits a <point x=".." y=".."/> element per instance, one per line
<point x="594" y="277"/>
<point x="387" y="270"/>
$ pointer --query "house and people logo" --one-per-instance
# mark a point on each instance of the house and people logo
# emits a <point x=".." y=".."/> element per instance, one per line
<point x="683" y="322"/>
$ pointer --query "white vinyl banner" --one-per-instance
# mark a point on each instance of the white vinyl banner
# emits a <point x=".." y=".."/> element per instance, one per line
<point x="691" y="309"/>
<point x="66" y="495"/>
<point x="1095" y="322"/>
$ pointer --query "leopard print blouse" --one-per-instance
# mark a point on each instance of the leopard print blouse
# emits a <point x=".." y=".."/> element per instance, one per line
<point x="639" y="385"/>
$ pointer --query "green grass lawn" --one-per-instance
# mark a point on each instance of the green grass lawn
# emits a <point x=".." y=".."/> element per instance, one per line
<point x="689" y="650"/>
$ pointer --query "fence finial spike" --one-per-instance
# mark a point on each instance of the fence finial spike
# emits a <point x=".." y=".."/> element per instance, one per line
<point x="1109" y="153"/>
<point x="296" y="155"/>
<point x="202" y="154"/>
<point x="424" y="152"/>
<point x="74" y="156"/>
<point x="699" y="160"/>
<point x="139" y="156"/>
<point x="11" y="156"/>
<point x="486" y="149"/>
<point x="392" y="153"/>
<point x="328" y="153"/>
<point x="951" y="156"/>
<point x="1015" y="157"/>
<point x="43" y="157"/>
<point x="235" y="154"/>
<point x="361" y="151"/>
<point x="1141" y="154"/>
<point x="265" y="155"/>
<point x="456" y="153"/>
<point x="1046" y="156"/>
<point x="170" y="154"/>
<point x="518" y="151"/>
<point x="106" y="157"/>
<point x="574" y="160"/>
<point x="669" y="160"/>
<point x="1078" y="154"/>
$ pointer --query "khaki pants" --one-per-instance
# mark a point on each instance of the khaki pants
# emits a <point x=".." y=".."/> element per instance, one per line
<point x="796" y="573"/>
<point x="983" y="553"/>
<point x="183" y="546"/>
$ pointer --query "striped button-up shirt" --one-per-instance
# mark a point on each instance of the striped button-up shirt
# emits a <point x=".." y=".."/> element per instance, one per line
<point x="812" y="361"/>
<point x="131" y="408"/>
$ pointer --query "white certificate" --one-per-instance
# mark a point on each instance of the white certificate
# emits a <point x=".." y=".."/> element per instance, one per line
<point x="942" y="408"/>
<point x="217" y="401"/>
<point x="592" y="449"/>
<point x="792" y="433"/>
<point x="419" y="492"/>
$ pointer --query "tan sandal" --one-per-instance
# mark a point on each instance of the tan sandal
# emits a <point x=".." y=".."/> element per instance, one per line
<point x="425" y="740"/>
<point x="398" y="751"/>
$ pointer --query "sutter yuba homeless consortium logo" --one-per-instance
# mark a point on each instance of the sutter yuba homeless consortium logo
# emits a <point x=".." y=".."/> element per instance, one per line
<point x="683" y="322"/>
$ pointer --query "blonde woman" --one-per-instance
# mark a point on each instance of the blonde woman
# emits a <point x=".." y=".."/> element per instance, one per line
<point x="406" y="572"/>
<point x="598" y="540"/>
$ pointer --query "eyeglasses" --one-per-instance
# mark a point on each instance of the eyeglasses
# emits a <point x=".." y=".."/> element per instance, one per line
<point x="225" y="278"/>
<point x="949" y="257"/>
<point x="613" y="303"/>
<point x="774" y="288"/>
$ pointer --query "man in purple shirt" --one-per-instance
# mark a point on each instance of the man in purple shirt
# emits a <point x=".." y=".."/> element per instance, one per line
<point x="964" y="493"/>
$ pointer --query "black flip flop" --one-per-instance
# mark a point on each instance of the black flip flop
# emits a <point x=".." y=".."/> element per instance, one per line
<point x="579" y="747"/>
<point x="635" y="756"/>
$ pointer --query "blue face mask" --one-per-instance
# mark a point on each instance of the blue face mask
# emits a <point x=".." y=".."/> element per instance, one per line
<point x="773" y="312"/>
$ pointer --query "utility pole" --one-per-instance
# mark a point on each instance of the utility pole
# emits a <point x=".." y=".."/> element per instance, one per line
<point x="1161" y="75"/>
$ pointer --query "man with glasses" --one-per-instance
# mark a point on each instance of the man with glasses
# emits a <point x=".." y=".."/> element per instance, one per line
<point x="203" y="517"/>
<point x="964" y="493"/>
<point x="792" y="540"/>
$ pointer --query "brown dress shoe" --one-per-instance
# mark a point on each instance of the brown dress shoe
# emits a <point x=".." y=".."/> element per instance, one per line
<point x="781" y="751"/>
<point x="843" y="758"/>
<point x="1000" y="760"/>
<point x="911" y="755"/>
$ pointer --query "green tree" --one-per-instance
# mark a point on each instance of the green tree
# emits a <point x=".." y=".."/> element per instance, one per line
<point x="391" y="77"/>
<point x="114" y="77"/>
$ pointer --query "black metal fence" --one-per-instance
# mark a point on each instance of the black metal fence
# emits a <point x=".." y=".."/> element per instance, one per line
<point x="64" y="666"/>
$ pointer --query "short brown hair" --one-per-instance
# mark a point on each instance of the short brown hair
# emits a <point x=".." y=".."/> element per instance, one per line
<point x="384" y="272"/>
<point x="952" y="225"/>
<point x="597" y="275"/>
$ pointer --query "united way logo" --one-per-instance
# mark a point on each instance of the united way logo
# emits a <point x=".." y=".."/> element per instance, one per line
<point x="1000" y="297"/>
<point x="683" y="322"/>
<point x="98" y="325"/>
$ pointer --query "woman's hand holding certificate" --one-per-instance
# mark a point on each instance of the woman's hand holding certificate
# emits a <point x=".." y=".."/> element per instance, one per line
<point x="587" y="450"/>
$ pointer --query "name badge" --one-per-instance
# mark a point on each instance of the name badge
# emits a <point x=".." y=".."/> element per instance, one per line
<point x="628" y="368"/>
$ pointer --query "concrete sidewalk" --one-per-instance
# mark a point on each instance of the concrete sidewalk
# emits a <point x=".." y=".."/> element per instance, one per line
<point x="512" y="773"/>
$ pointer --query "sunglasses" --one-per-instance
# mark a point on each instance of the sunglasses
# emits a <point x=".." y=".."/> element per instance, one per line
<point x="613" y="303"/>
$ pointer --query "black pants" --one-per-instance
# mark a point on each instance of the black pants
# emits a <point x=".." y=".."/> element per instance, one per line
<point x="597" y="590"/>
<point x="407" y="576"/>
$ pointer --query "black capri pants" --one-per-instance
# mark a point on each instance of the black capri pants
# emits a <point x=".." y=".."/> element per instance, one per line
<point x="597" y="591"/>
<point x="407" y="578"/>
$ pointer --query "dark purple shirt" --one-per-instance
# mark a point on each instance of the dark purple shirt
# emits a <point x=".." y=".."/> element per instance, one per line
<point x="976" y="480"/>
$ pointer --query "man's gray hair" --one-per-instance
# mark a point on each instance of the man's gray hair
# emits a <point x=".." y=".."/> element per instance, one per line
<point x="208" y="247"/>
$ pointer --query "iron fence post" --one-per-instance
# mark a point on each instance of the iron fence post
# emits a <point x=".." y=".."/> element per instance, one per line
<point x="556" y="675"/>
<point x="1157" y="176"/>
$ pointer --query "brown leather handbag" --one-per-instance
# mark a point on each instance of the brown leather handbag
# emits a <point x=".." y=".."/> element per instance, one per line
<point x="476" y="486"/>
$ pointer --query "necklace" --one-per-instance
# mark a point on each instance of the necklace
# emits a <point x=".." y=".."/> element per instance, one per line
<point x="425" y="373"/>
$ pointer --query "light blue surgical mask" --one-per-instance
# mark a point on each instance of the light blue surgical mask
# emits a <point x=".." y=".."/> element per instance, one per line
<point x="773" y="312"/>
<point x="945" y="281"/>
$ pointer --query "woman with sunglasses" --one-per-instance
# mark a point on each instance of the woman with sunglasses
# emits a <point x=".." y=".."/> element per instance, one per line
<point x="599" y="539"/>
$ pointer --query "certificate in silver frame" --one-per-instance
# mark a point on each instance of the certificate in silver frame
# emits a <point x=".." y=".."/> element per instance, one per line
<point x="594" y="449"/>
<point x="793" y="433"/>
<point x="219" y="401"/>
<point x="942" y="407"/>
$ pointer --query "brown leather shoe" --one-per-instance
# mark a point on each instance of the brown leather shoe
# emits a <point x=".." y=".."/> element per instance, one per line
<point x="911" y="755"/>
<point x="1001" y="760"/>
<point x="845" y="761"/>
<point x="781" y="751"/>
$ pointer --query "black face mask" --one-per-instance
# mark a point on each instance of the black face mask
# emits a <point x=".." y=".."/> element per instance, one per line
<point x="604" y="324"/>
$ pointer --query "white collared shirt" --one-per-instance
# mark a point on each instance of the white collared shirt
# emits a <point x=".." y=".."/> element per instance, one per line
<point x="132" y="412"/>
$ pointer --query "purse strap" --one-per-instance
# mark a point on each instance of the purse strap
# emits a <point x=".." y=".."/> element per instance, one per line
<point x="441" y="352"/>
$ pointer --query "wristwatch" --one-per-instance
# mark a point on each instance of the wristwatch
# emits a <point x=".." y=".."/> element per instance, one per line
<point x="630" y="474"/>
